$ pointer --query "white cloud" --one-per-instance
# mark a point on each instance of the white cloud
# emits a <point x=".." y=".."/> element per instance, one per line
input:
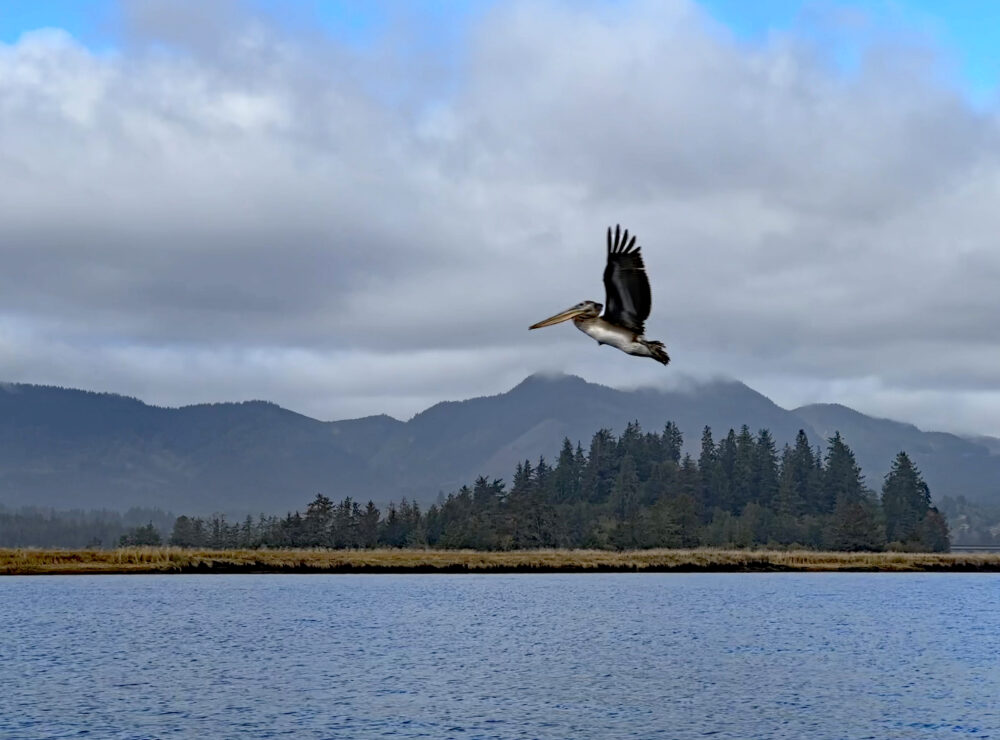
<point x="225" y="209"/>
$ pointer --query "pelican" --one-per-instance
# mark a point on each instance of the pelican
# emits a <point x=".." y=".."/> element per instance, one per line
<point x="626" y="288"/>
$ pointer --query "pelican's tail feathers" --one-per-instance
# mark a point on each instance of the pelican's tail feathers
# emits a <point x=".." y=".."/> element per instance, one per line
<point x="657" y="350"/>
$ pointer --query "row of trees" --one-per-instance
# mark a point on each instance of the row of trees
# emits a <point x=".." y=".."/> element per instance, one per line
<point x="633" y="491"/>
<point x="45" y="527"/>
<point x="972" y="523"/>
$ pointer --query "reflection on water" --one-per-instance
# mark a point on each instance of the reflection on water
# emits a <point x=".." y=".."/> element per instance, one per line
<point x="518" y="656"/>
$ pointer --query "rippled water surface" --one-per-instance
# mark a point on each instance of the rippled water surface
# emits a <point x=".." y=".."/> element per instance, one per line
<point x="501" y="656"/>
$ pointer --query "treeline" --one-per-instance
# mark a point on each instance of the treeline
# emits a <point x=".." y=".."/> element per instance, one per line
<point x="636" y="490"/>
<point x="972" y="524"/>
<point x="44" y="527"/>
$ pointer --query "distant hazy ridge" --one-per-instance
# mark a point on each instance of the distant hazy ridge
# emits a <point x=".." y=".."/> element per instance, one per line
<point x="77" y="449"/>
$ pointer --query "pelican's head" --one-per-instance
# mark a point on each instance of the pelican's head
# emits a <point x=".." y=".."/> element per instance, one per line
<point x="584" y="310"/>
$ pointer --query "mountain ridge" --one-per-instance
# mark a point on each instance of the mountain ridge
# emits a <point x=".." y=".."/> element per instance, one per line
<point x="73" y="448"/>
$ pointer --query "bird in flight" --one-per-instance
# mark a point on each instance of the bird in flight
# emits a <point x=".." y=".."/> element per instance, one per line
<point x="626" y="288"/>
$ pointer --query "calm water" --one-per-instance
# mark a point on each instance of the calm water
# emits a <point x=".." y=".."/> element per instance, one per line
<point x="523" y="656"/>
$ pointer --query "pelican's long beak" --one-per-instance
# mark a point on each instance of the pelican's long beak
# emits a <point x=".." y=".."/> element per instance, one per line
<point x="559" y="317"/>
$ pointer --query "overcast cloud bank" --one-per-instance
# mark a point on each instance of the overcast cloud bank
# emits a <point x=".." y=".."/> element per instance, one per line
<point x="223" y="208"/>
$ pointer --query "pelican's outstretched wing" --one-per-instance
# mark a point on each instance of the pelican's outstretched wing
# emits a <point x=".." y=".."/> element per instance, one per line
<point x="626" y="286"/>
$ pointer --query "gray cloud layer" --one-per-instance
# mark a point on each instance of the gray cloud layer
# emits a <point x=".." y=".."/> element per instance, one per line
<point x="223" y="208"/>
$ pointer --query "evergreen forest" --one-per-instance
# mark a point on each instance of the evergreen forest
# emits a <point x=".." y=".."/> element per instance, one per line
<point x="100" y="528"/>
<point x="636" y="490"/>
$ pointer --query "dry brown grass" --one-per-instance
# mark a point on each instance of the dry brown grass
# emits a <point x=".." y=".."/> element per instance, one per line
<point x="30" y="561"/>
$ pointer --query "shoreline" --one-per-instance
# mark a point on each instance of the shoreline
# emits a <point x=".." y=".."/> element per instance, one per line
<point x="167" y="560"/>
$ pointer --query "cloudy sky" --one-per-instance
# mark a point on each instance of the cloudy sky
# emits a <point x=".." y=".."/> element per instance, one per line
<point x="356" y="210"/>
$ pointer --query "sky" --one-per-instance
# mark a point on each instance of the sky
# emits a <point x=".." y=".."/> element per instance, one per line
<point x="360" y="208"/>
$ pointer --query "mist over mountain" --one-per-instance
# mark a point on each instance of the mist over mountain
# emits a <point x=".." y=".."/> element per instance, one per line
<point x="77" y="449"/>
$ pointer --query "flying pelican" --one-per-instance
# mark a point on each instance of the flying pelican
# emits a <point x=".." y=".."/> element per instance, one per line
<point x="626" y="288"/>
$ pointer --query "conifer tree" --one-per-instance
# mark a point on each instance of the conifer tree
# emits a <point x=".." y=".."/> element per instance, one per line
<point x="626" y="491"/>
<point x="413" y="524"/>
<point x="486" y="495"/>
<point x="673" y="442"/>
<point x="765" y="469"/>
<point x="543" y="480"/>
<point x="855" y="523"/>
<point x="660" y="484"/>
<point x="247" y="535"/>
<point x="217" y="531"/>
<point x="854" y="526"/>
<point x="788" y="501"/>
<point x="841" y="477"/>
<point x="689" y="479"/>
<point x="183" y="534"/>
<point x="293" y="531"/>
<point x="742" y="483"/>
<point x="708" y="468"/>
<point x="686" y="503"/>
<point x="726" y="472"/>
<point x="393" y="532"/>
<point x="632" y="442"/>
<point x="484" y="524"/>
<point x="566" y="477"/>
<point x="198" y="532"/>
<point x="523" y="475"/>
<point x="368" y="526"/>
<point x="318" y="522"/>
<point x="601" y="467"/>
<point x="529" y="522"/>
<point x="905" y="500"/>
<point x="457" y="520"/>
<point x="800" y="480"/>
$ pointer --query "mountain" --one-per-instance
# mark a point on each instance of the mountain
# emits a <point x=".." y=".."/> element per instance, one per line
<point x="77" y="449"/>
<point x="497" y="432"/>
<point x="990" y="443"/>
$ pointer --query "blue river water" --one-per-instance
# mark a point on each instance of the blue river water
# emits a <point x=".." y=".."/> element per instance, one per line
<point x="501" y="656"/>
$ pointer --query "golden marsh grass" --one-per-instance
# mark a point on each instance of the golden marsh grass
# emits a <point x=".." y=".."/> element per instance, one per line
<point x="31" y="561"/>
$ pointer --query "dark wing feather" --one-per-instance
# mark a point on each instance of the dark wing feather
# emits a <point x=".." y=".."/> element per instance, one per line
<point x="626" y="286"/>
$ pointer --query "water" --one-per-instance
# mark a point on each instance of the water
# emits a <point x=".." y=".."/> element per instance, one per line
<point x="520" y="656"/>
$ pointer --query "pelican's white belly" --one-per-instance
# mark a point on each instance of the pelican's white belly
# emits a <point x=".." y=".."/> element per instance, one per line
<point x="605" y="333"/>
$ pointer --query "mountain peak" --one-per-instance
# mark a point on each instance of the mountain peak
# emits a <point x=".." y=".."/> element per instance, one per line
<point x="549" y="378"/>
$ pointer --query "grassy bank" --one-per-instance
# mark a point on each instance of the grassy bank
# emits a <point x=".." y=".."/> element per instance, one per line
<point x="30" y="561"/>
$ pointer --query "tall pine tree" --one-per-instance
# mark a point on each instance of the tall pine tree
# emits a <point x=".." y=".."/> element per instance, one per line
<point x="905" y="500"/>
<point x="855" y="523"/>
<point x="765" y="469"/>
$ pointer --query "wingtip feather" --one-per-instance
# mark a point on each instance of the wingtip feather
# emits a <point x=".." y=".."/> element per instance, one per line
<point x="621" y="243"/>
